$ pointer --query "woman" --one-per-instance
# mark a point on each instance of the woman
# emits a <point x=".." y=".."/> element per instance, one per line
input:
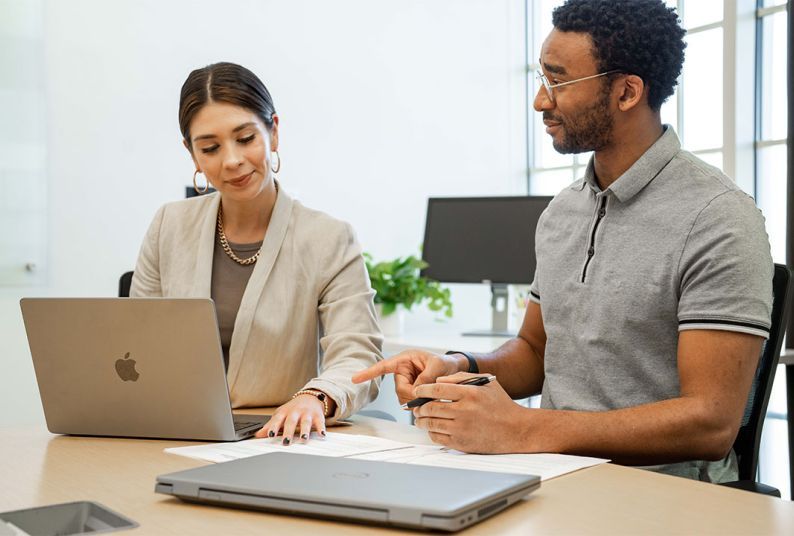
<point x="289" y="283"/>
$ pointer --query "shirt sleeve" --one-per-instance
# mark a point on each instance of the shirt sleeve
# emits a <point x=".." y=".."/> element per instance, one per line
<point x="726" y="269"/>
<point x="146" y="278"/>
<point x="350" y="337"/>
<point x="534" y="288"/>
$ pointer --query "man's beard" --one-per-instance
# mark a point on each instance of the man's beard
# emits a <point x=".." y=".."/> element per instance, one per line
<point x="589" y="130"/>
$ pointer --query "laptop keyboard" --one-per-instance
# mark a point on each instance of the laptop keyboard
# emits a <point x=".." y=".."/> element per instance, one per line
<point x="242" y="425"/>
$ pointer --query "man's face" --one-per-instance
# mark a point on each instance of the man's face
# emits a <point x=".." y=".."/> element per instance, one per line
<point x="579" y="117"/>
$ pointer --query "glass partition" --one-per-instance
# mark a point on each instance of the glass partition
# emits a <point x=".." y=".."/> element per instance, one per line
<point x="23" y="164"/>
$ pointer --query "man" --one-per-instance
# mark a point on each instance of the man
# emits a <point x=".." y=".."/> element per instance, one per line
<point x="653" y="288"/>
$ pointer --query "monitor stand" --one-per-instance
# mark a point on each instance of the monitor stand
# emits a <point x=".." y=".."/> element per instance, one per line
<point x="498" y="314"/>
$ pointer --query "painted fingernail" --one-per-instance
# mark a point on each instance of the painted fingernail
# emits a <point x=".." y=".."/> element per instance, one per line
<point x="271" y="433"/>
<point x="286" y="441"/>
<point x="305" y="436"/>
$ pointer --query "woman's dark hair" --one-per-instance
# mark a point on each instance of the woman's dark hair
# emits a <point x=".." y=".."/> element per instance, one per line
<point x="223" y="82"/>
<point x="641" y="37"/>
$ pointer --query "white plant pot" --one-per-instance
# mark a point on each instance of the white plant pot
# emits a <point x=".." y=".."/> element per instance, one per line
<point x="391" y="325"/>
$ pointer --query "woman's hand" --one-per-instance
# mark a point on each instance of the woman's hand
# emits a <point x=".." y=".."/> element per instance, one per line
<point x="302" y="414"/>
<point x="412" y="368"/>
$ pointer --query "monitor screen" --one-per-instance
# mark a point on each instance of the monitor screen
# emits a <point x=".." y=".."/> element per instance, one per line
<point x="481" y="239"/>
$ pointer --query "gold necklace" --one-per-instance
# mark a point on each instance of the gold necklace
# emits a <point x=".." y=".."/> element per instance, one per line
<point x="225" y="243"/>
<point x="227" y="248"/>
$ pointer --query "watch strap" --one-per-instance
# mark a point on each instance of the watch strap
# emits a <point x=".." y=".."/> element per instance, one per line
<point x="473" y="368"/>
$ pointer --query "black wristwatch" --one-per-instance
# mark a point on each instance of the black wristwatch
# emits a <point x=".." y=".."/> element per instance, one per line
<point x="473" y="368"/>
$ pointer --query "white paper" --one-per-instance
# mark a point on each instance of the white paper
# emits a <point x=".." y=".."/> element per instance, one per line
<point x="546" y="466"/>
<point x="334" y="444"/>
<point x="9" y="529"/>
<point x="363" y="447"/>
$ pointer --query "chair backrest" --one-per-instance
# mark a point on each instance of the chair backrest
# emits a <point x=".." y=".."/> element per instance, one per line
<point x="125" y="282"/>
<point x="748" y="440"/>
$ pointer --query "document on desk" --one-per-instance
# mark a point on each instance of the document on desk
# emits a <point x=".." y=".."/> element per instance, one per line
<point x="545" y="466"/>
<point x="334" y="444"/>
<point x="363" y="447"/>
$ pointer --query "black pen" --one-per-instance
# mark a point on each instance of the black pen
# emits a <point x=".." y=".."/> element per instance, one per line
<point x="477" y="380"/>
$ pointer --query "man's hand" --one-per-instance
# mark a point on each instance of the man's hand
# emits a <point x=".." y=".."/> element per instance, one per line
<point x="412" y="368"/>
<point x="478" y="419"/>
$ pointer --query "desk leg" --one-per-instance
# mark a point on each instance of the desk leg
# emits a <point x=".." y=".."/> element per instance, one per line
<point x="790" y="419"/>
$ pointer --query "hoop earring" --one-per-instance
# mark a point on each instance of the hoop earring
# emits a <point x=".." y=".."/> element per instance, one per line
<point x="195" y="185"/>
<point x="277" y="169"/>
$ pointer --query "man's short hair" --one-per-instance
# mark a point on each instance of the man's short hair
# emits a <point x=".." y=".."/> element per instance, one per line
<point x="641" y="37"/>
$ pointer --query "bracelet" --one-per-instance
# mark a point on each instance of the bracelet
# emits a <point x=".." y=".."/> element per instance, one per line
<point x="322" y="397"/>
<point x="473" y="368"/>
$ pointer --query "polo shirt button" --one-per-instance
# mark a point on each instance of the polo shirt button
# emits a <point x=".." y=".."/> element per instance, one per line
<point x="590" y="252"/>
<point x="602" y="213"/>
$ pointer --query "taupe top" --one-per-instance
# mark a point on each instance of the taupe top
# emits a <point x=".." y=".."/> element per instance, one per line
<point x="306" y="318"/>
<point x="229" y="279"/>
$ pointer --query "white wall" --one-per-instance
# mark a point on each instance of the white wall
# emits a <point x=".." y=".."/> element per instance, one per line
<point x="381" y="103"/>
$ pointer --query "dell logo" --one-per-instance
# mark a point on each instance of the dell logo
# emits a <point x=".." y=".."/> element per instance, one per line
<point x="351" y="475"/>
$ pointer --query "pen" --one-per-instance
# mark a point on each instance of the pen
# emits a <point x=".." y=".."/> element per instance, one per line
<point x="478" y="380"/>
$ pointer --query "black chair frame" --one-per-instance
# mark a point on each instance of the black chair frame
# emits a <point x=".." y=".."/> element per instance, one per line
<point x="748" y="440"/>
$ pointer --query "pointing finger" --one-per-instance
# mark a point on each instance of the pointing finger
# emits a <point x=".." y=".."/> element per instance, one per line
<point x="387" y="366"/>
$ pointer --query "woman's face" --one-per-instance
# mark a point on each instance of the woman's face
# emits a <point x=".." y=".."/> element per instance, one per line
<point x="232" y="148"/>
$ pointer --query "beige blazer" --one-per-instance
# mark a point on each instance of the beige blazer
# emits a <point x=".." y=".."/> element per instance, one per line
<point x="306" y="319"/>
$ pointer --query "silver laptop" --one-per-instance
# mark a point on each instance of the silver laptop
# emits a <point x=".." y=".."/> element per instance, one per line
<point x="383" y="493"/>
<point x="132" y="367"/>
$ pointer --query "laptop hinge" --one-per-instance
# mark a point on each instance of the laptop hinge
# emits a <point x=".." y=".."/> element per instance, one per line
<point x="280" y="504"/>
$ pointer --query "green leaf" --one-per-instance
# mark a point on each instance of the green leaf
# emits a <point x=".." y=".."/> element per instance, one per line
<point x="397" y="282"/>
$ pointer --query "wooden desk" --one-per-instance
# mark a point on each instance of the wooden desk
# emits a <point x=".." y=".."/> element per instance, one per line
<point x="37" y="468"/>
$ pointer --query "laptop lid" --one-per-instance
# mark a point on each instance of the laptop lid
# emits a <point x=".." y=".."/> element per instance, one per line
<point x="357" y="490"/>
<point x="131" y="367"/>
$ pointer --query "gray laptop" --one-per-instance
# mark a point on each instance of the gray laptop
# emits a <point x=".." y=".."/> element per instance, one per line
<point x="355" y="490"/>
<point x="132" y="367"/>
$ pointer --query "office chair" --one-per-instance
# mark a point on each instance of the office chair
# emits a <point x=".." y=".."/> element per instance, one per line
<point x="747" y="443"/>
<point x="125" y="281"/>
<point x="191" y="192"/>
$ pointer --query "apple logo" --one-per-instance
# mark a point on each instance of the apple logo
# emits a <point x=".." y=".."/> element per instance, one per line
<point x="125" y="368"/>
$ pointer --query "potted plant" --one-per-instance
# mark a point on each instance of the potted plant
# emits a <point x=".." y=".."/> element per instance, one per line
<point x="398" y="286"/>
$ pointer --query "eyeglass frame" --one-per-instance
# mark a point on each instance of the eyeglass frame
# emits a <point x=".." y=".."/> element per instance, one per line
<point x="544" y="80"/>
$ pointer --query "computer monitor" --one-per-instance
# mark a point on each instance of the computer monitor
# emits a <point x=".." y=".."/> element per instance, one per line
<point x="483" y="240"/>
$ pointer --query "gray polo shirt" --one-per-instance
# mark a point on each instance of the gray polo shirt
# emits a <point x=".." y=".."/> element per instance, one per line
<point x="673" y="244"/>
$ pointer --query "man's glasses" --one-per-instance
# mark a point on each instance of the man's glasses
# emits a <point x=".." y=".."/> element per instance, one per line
<point x="549" y="86"/>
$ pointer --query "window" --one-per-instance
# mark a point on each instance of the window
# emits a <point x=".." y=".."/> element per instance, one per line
<point x="770" y="186"/>
<point x="549" y="171"/>
<point x="772" y="108"/>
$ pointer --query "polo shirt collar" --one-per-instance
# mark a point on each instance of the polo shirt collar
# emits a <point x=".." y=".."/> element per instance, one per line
<point x="641" y="172"/>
